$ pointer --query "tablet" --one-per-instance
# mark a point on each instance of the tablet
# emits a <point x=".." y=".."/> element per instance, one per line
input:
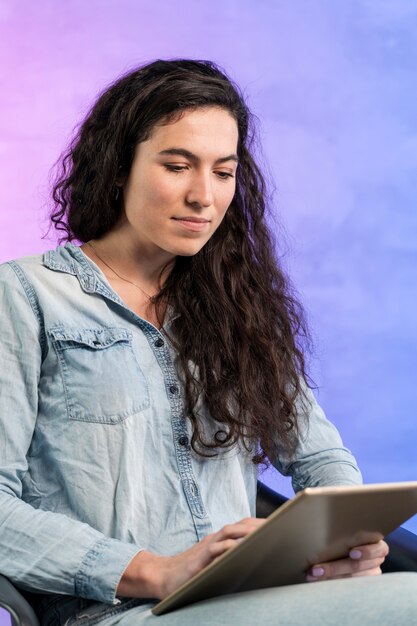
<point x="319" y="524"/>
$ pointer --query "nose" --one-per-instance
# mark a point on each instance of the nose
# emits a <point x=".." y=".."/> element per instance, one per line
<point x="200" y="193"/>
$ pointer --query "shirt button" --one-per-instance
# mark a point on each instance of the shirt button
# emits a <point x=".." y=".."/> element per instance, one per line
<point x="159" y="343"/>
<point x="183" y="440"/>
<point x="173" y="389"/>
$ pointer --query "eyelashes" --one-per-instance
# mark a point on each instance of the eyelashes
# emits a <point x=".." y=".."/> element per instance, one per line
<point x="177" y="169"/>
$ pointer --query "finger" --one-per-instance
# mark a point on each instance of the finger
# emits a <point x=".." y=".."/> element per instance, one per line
<point x="376" y="571"/>
<point x="343" y="567"/>
<point x="216" y="549"/>
<point x="370" y="551"/>
<point x="239" y="529"/>
<point x="203" y="553"/>
<point x="369" y="556"/>
<point x="372" y="572"/>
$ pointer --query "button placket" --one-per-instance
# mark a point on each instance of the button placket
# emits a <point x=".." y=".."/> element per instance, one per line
<point x="181" y="439"/>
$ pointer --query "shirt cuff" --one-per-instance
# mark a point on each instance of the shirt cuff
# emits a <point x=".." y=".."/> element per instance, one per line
<point x="102" y="569"/>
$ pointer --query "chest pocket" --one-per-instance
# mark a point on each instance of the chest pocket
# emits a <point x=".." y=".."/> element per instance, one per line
<point x="102" y="379"/>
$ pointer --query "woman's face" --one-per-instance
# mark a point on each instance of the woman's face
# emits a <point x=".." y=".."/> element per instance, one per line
<point x="181" y="183"/>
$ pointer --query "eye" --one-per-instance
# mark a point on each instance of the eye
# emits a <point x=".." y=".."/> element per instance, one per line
<point x="177" y="169"/>
<point x="174" y="168"/>
<point x="224" y="175"/>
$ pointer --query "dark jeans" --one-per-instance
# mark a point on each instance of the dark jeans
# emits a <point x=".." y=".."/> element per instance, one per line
<point x="58" y="610"/>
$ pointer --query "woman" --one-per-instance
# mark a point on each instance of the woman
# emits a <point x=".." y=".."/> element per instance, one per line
<point x="147" y="373"/>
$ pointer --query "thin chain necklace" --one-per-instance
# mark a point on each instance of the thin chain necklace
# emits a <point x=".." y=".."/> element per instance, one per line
<point x="121" y="277"/>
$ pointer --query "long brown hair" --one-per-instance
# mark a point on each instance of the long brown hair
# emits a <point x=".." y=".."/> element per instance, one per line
<point x="240" y="333"/>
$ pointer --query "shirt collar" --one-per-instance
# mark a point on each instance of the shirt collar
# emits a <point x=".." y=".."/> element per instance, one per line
<point x="70" y="259"/>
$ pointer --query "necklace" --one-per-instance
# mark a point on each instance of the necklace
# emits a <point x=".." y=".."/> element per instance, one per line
<point x="121" y="277"/>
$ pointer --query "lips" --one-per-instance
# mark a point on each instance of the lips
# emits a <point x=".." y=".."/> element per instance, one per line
<point x="192" y="223"/>
<point x="192" y="218"/>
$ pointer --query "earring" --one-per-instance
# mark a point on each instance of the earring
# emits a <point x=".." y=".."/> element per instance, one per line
<point x="116" y="192"/>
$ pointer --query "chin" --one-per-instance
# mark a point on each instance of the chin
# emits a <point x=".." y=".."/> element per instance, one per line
<point x="188" y="250"/>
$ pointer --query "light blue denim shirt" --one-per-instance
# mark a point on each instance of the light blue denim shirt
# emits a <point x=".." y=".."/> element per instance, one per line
<point x="95" y="462"/>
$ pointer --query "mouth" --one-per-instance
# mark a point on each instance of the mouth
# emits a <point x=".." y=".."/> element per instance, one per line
<point x="193" y="223"/>
<point x="192" y="218"/>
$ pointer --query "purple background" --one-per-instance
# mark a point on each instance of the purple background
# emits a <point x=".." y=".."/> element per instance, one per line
<point x="5" y="619"/>
<point x="334" y="86"/>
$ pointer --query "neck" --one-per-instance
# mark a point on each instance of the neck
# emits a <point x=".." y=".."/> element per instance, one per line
<point x="133" y="261"/>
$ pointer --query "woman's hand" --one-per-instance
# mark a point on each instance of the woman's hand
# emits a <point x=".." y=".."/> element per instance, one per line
<point x="362" y="561"/>
<point x="151" y="576"/>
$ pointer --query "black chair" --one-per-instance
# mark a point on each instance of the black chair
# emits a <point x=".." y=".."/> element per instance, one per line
<point x="402" y="558"/>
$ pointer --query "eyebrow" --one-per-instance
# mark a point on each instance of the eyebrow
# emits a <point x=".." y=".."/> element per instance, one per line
<point x="193" y="157"/>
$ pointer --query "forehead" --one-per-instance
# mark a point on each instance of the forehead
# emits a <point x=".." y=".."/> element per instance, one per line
<point x="204" y="128"/>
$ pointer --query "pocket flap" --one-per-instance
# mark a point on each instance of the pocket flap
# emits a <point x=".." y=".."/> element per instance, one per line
<point x="96" y="338"/>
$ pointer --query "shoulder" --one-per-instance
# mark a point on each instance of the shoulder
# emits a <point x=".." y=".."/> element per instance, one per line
<point x="19" y="277"/>
<point x="35" y="266"/>
<point x="13" y="267"/>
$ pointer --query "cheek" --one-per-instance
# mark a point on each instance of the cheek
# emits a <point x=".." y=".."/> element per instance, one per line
<point x="226" y="200"/>
<point x="162" y="192"/>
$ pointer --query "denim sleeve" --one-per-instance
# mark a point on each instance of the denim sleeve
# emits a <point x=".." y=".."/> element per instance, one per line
<point x="320" y="458"/>
<point x="40" y="550"/>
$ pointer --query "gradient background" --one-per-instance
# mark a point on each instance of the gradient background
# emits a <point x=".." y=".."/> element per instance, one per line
<point x="334" y="86"/>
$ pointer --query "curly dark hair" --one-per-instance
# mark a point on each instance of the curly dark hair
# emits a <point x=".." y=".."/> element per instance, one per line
<point x="239" y="322"/>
